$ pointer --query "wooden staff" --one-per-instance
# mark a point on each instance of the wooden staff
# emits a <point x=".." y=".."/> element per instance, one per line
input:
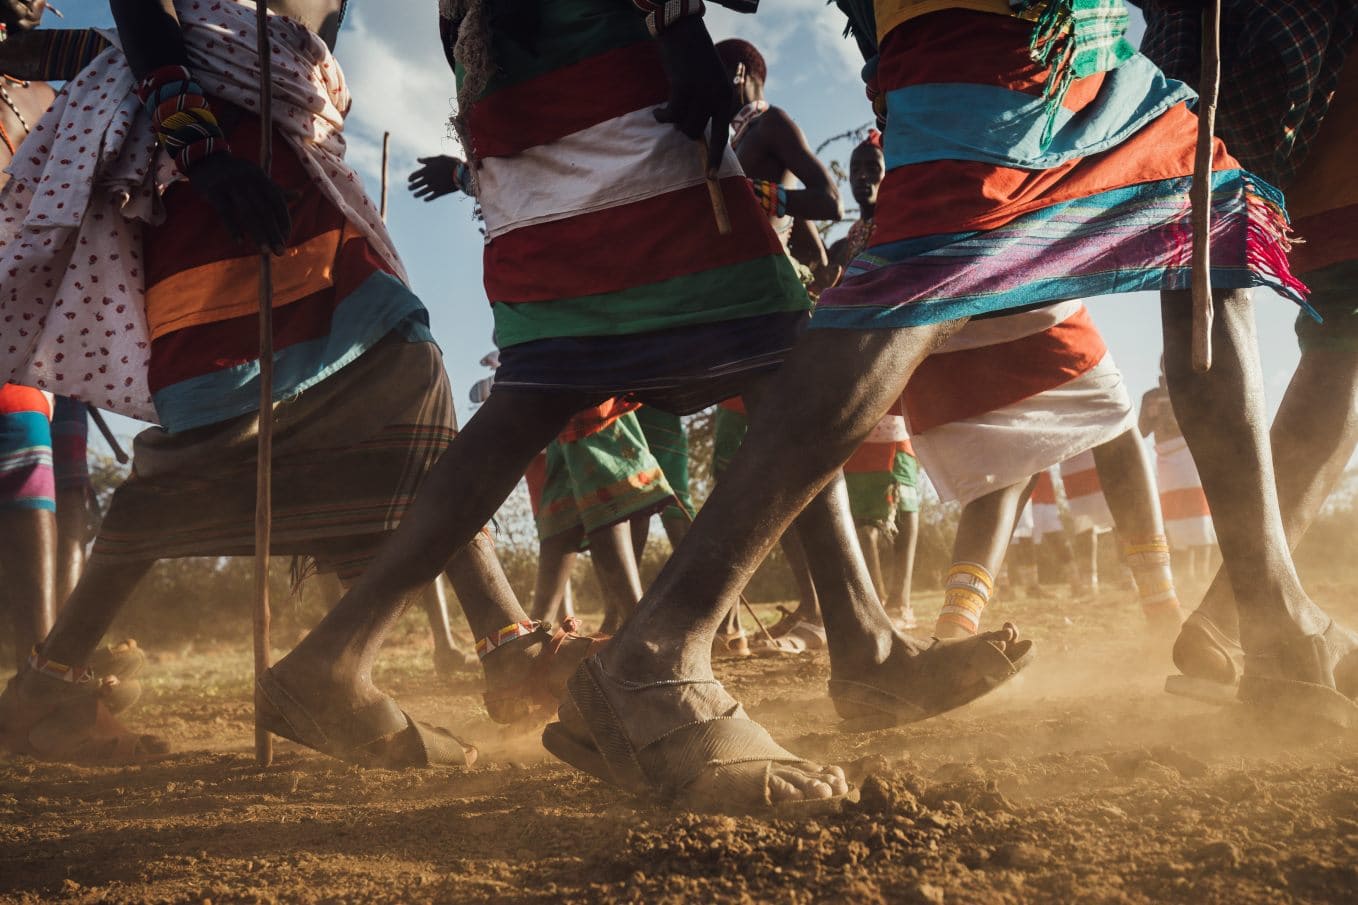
<point x="112" y="441"/>
<point x="264" y="468"/>
<point x="714" y="191"/>
<point x="1200" y="195"/>
<point x="386" y="159"/>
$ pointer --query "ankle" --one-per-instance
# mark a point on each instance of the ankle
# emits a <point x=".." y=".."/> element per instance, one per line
<point x="966" y="592"/>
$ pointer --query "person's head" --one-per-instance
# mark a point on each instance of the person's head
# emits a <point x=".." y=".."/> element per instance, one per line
<point x="22" y="15"/>
<point x="867" y="167"/>
<point x="745" y="65"/>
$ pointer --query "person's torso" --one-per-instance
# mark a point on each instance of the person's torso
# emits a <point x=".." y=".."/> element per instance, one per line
<point x="21" y="106"/>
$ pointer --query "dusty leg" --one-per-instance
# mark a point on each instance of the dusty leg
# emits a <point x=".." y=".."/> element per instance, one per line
<point x="641" y="532"/>
<point x="983" y="534"/>
<point x="1221" y="413"/>
<point x="794" y="552"/>
<point x="671" y="633"/>
<point x="81" y="624"/>
<point x="330" y="670"/>
<point x="1129" y="486"/>
<point x="28" y="540"/>
<point x="610" y="549"/>
<point x="556" y="561"/>
<point x="1086" y="549"/>
<point x="72" y="528"/>
<point x="903" y="566"/>
<point x="870" y="541"/>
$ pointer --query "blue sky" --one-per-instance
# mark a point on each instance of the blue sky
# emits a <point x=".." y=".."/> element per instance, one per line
<point x="401" y="84"/>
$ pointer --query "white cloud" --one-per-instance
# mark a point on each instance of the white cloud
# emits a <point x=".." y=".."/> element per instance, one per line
<point x="786" y="27"/>
<point x="401" y="83"/>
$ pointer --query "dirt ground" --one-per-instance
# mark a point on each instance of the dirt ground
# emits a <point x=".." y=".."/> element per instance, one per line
<point x="1082" y="781"/>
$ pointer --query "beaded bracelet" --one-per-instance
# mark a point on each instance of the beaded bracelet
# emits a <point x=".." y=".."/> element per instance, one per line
<point x="771" y="196"/>
<point x="462" y="175"/>
<point x="661" y="14"/>
<point x="184" y="123"/>
<point x="505" y="635"/>
<point x="76" y="675"/>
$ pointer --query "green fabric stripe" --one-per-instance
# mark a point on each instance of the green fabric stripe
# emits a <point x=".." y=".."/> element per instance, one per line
<point x="760" y="286"/>
<point x="571" y="31"/>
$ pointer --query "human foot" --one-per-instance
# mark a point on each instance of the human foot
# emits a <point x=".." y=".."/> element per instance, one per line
<point x="1308" y="677"/>
<point x="918" y="680"/>
<point x="69" y="722"/>
<point x="1210" y="660"/>
<point x="682" y="742"/>
<point x="377" y="733"/>
<point x="526" y="678"/>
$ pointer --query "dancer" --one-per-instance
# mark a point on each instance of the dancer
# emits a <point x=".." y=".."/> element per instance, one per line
<point x="1090" y="518"/>
<point x="1001" y="178"/>
<point x="368" y="408"/>
<point x="1042" y="388"/>
<point x="1289" y="104"/>
<point x="775" y="156"/>
<point x="987" y="437"/>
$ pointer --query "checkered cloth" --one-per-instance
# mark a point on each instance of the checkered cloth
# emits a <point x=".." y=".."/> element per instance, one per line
<point x="1280" y="62"/>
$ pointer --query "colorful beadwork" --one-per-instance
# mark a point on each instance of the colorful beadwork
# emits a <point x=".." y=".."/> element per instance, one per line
<point x="185" y="125"/>
<point x="502" y="637"/>
<point x="771" y="196"/>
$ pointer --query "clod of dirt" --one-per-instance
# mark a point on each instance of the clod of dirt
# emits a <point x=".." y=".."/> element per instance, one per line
<point x="1155" y="772"/>
<point x="1220" y="854"/>
<point x="891" y="793"/>
<point x="1020" y="856"/>
<point x="925" y="894"/>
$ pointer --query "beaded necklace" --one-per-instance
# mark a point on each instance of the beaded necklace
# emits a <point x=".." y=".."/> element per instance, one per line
<point x="5" y="81"/>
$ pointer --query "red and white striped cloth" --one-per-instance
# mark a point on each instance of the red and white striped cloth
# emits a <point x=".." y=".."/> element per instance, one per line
<point x="1008" y="397"/>
<point x="1188" y="520"/>
<point x="1084" y="495"/>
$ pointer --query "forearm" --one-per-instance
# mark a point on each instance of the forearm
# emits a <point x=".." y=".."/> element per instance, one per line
<point x="814" y="204"/>
<point x="54" y="54"/>
<point x="150" y="34"/>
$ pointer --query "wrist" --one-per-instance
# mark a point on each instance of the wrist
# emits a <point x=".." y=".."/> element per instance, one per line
<point x="771" y="196"/>
<point x="663" y="15"/>
<point x="184" y="123"/>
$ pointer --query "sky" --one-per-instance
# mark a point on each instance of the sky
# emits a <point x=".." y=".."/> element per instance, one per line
<point x="400" y="82"/>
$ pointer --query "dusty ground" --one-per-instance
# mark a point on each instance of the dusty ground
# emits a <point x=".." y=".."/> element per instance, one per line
<point x="1081" y="782"/>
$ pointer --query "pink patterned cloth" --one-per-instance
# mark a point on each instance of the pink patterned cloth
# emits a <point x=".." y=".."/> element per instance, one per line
<point x="72" y="311"/>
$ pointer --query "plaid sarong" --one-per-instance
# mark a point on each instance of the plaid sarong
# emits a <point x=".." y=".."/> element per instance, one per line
<point x="1280" y="64"/>
<point x="349" y="455"/>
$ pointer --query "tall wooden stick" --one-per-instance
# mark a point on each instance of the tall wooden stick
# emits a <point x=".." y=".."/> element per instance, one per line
<point x="386" y="159"/>
<point x="1201" y="193"/>
<point x="264" y="469"/>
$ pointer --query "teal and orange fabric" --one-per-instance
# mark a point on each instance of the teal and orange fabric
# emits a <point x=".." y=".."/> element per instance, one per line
<point x="26" y="478"/>
<point x="334" y="297"/>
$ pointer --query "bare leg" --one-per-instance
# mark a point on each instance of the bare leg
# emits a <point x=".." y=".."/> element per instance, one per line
<point x="983" y="534"/>
<point x="1086" y="549"/>
<point x="449" y="659"/>
<point x="903" y="565"/>
<point x="1221" y="413"/>
<point x="332" y="668"/>
<point x="72" y="528"/>
<point x="28" y="540"/>
<point x="764" y="488"/>
<point x="794" y="552"/>
<point x="610" y="549"/>
<point x="1129" y="486"/>
<point x="556" y="561"/>
<point x="641" y="532"/>
<point x="81" y="624"/>
<point x="869" y="541"/>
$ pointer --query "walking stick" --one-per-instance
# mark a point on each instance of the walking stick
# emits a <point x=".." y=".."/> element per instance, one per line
<point x="1200" y="195"/>
<point x="386" y="157"/>
<point x="112" y="441"/>
<point x="264" y="467"/>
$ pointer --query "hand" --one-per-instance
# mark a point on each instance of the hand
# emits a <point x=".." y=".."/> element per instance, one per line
<point x="25" y="14"/>
<point x="250" y="204"/>
<point x="438" y="177"/>
<point x="700" y="89"/>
